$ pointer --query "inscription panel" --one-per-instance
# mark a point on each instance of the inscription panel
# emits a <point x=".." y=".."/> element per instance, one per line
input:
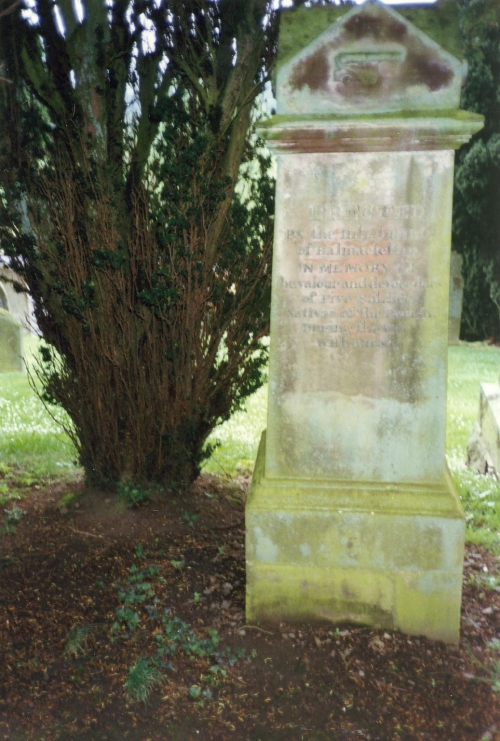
<point x="359" y="275"/>
<point x="359" y="313"/>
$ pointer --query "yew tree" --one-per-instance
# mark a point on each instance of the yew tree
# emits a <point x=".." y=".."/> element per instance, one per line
<point x="476" y="213"/>
<point x="136" y="205"/>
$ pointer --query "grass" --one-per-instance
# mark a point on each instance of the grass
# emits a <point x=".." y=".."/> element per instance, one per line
<point x="468" y="366"/>
<point x="142" y="678"/>
<point x="77" y="640"/>
<point x="30" y="440"/>
<point x="239" y="437"/>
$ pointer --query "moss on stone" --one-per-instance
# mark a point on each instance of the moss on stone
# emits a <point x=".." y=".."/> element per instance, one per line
<point x="453" y="114"/>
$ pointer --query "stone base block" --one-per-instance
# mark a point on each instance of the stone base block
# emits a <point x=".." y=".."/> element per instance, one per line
<point x="388" y="556"/>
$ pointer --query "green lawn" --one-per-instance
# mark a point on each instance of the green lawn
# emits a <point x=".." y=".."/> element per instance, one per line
<point x="31" y="439"/>
<point x="468" y="366"/>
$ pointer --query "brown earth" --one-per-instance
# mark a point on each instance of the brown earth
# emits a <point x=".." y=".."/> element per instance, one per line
<point x="66" y="566"/>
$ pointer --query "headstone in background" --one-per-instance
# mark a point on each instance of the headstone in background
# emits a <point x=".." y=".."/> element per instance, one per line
<point x="483" y="450"/>
<point x="15" y="302"/>
<point x="11" y="355"/>
<point x="456" y="298"/>
<point x="352" y="515"/>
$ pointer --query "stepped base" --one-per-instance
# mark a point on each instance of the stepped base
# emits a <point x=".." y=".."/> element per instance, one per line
<point x="388" y="556"/>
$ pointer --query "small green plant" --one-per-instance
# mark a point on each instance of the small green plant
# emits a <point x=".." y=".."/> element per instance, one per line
<point x="189" y="519"/>
<point x="66" y="500"/>
<point x="6" y="495"/>
<point x="77" y="640"/>
<point x="136" y="590"/>
<point x="126" y="617"/>
<point x="178" y="565"/>
<point x="11" y="518"/>
<point x="485" y="581"/>
<point x="493" y="672"/>
<point x="132" y="494"/>
<point x="142" y="678"/>
<point x="215" y="677"/>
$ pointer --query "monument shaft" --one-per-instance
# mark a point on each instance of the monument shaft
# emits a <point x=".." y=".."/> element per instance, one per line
<point x="359" y="331"/>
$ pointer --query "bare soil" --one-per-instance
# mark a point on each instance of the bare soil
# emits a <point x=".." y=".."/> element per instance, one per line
<point x="65" y="566"/>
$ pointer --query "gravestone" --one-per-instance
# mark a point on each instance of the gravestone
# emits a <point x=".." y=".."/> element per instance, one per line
<point x="352" y="515"/>
<point x="456" y="298"/>
<point x="15" y="302"/>
<point x="11" y="357"/>
<point x="483" y="449"/>
<point x="489" y="420"/>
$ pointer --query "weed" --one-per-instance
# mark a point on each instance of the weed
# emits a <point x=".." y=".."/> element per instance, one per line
<point x="132" y="494"/>
<point x="11" y="518"/>
<point x="493" y="673"/>
<point x="176" y="633"/>
<point x="135" y="591"/>
<point x="179" y="565"/>
<point x="7" y="496"/>
<point x="142" y="678"/>
<point x="77" y="640"/>
<point x="127" y="617"/>
<point x="66" y="500"/>
<point x="149" y="572"/>
<point x="485" y="581"/>
<point x="189" y="519"/>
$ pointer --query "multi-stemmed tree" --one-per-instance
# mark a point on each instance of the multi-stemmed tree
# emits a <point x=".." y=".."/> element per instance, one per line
<point x="136" y="204"/>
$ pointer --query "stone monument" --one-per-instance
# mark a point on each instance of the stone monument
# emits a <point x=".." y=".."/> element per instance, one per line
<point x="352" y="515"/>
<point x="11" y="345"/>
<point x="14" y="301"/>
<point x="483" y="449"/>
<point x="456" y="298"/>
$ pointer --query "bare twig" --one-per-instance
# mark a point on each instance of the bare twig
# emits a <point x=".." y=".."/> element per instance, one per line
<point x="256" y="627"/>
<point x="82" y="532"/>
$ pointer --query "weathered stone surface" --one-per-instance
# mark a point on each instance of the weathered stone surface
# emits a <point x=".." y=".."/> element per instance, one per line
<point x="456" y="298"/>
<point x="352" y="514"/>
<point x="359" y="328"/>
<point x="11" y="358"/>
<point x="16" y="303"/>
<point x="363" y="552"/>
<point x="371" y="59"/>
<point x="483" y="450"/>
<point x="478" y="456"/>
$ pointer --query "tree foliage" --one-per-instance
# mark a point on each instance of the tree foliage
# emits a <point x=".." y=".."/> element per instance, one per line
<point x="476" y="218"/>
<point x="136" y="203"/>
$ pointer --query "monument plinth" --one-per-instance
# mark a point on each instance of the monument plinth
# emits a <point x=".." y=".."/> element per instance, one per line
<point x="352" y="515"/>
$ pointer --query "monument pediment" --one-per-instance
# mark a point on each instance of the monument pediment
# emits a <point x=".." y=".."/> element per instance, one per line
<point x="371" y="60"/>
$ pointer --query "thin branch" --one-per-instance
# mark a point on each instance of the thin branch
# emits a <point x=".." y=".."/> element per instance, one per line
<point x="10" y="9"/>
